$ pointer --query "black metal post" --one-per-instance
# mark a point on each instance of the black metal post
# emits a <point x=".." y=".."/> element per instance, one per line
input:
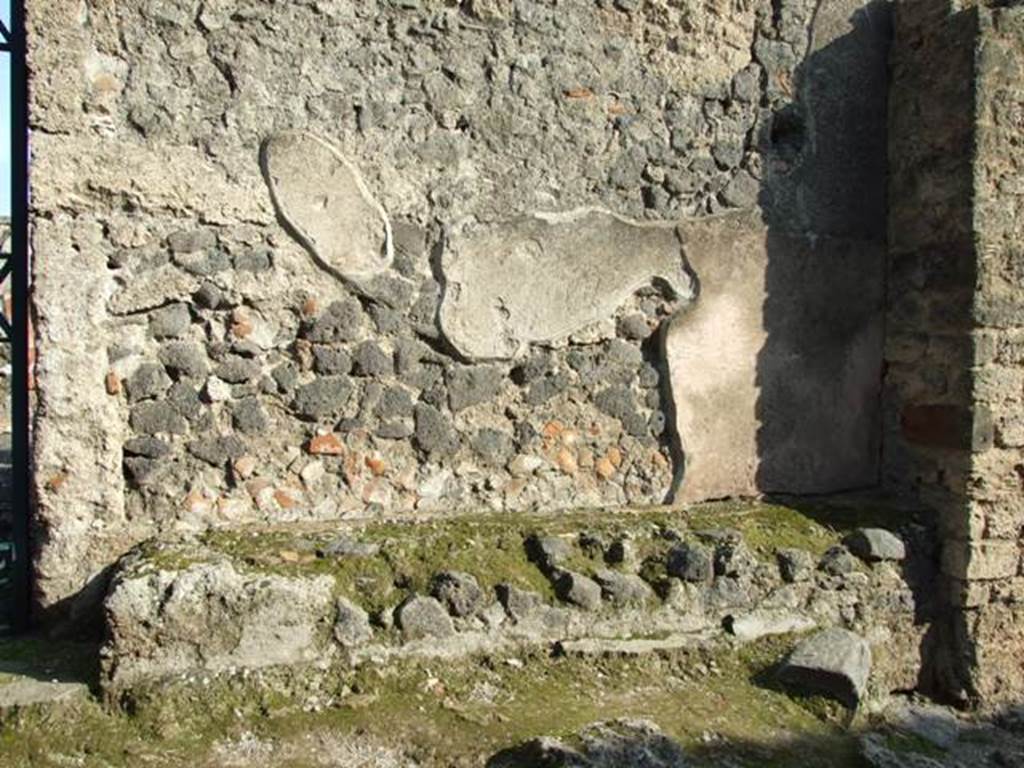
<point x="20" y="278"/>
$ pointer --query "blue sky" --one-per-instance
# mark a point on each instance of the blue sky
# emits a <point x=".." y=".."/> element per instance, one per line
<point x="5" y="120"/>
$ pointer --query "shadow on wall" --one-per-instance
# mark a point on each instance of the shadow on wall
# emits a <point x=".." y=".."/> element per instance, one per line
<point x="824" y="195"/>
<point x="841" y="283"/>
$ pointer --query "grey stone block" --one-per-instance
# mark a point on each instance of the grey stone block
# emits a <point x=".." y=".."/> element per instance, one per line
<point x="423" y="617"/>
<point x="170" y="321"/>
<point x="184" y="358"/>
<point x="834" y="662"/>
<point x="323" y="397"/>
<point x="152" y="418"/>
<point x="472" y="385"/>
<point x="459" y="592"/>
<point x="351" y="624"/>
<point x="578" y="589"/>
<point x="690" y="562"/>
<point x="875" y="544"/>
<point x="624" y="588"/>
<point x="434" y="432"/>
<point x="149" y="381"/>
<point x="331" y="360"/>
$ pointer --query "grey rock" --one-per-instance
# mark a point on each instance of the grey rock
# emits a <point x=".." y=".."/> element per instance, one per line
<point x="254" y="260"/>
<point x="734" y="559"/>
<point x="217" y="451"/>
<point x="409" y="353"/>
<point x="248" y="416"/>
<point x="152" y="418"/>
<point x="140" y="471"/>
<point x="621" y="552"/>
<point x="493" y="446"/>
<point x="323" y="397"/>
<point x="185" y="397"/>
<point x="391" y="290"/>
<point x="434" y="433"/>
<point x="471" y="385"/>
<point x="538" y="365"/>
<point x="372" y="391"/>
<point x="578" y="589"/>
<point x="246" y="348"/>
<point x="342" y="321"/>
<point x="423" y="314"/>
<point x="690" y="562"/>
<point x="623" y="589"/>
<point x="149" y="381"/>
<point x="634" y="326"/>
<point x="542" y="752"/>
<point x="370" y="360"/>
<point x="794" y="564"/>
<point x="837" y="561"/>
<point x="394" y="430"/>
<point x="619" y="402"/>
<point x="624" y="354"/>
<point x="331" y="360"/>
<point x="875" y="545"/>
<point x="351" y="624"/>
<point x="203" y="264"/>
<point x="834" y="662"/>
<point x="395" y="402"/>
<point x="746" y="84"/>
<point x="423" y="617"/>
<point x="548" y="552"/>
<point x="347" y="546"/>
<point x="762" y="623"/>
<point x="286" y="376"/>
<point x="149" y="447"/>
<point x="386" y="321"/>
<point x="742" y="190"/>
<point x="170" y="321"/>
<point x="614" y="744"/>
<point x="459" y="592"/>
<point x="209" y="296"/>
<point x="206" y="605"/>
<point x="410" y="246"/>
<point x="237" y="370"/>
<point x="184" y="358"/>
<point x="728" y="154"/>
<point x="729" y="595"/>
<point x="519" y="604"/>
<point x="649" y="377"/>
<point x="591" y="543"/>
<point x="543" y="390"/>
<point x="936" y="725"/>
<point x="656" y="423"/>
<point x="192" y="240"/>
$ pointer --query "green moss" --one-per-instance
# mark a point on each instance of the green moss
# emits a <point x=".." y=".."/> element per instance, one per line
<point x="452" y="713"/>
<point x="912" y="744"/>
<point x="490" y="545"/>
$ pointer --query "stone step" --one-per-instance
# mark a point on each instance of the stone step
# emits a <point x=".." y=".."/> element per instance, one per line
<point x="36" y="672"/>
<point x="353" y="594"/>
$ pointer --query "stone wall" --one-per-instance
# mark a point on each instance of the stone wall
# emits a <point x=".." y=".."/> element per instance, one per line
<point x="995" y="622"/>
<point x="329" y="258"/>
<point x="954" y="380"/>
